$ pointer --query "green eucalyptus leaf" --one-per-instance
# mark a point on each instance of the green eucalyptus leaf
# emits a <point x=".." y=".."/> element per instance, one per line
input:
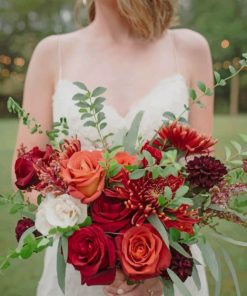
<point x="169" y="115"/>
<point x="80" y="85"/>
<point x="217" y="77"/>
<point x="129" y="141"/>
<point x="243" y="137"/>
<point x="86" y="116"/>
<point x="237" y="146"/>
<point x="229" y="240"/>
<point x="157" y="224"/>
<point x="228" y="153"/>
<point x="100" y="116"/>
<point x="99" y="100"/>
<point x="149" y="158"/>
<point x="222" y="82"/>
<point x="201" y="86"/>
<point x="178" y="283"/>
<point x="196" y="277"/>
<point x="181" y="191"/>
<point x="98" y="108"/>
<point x="232" y="271"/>
<point x="193" y="95"/>
<point x="168" y="287"/>
<point x="137" y="174"/>
<point x="103" y="125"/>
<point x="98" y="91"/>
<point x="232" y="69"/>
<point x="16" y="208"/>
<point x="61" y="267"/>
<point x="90" y="123"/>
<point x="79" y="97"/>
<point x="168" y="192"/>
<point x="155" y="172"/>
<point x="64" y="244"/>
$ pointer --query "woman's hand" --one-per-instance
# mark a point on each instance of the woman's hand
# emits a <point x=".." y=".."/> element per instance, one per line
<point x="119" y="286"/>
<point x="150" y="287"/>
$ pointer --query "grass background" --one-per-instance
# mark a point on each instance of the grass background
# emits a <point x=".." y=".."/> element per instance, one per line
<point x="22" y="277"/>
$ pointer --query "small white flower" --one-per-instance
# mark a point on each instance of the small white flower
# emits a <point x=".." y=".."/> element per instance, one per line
<point x="62" y="211"/>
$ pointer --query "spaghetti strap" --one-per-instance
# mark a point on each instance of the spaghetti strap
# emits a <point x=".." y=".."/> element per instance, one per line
<point x="59" y="58"/>
<point x="174" y="50"/>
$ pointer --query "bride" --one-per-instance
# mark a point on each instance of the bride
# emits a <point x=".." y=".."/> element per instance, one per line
<point x="129" y="49"/>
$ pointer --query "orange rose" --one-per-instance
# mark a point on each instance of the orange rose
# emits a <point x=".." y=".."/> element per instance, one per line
<point x="143" y="253"/>
<point x="83" y="174"/>
<point x="123" y="158"/>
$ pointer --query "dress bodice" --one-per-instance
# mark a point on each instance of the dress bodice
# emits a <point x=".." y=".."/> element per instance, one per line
<point x="170" y="94"/>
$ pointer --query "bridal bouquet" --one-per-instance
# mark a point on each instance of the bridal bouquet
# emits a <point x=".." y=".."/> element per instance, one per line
<point x="138" y="206"/>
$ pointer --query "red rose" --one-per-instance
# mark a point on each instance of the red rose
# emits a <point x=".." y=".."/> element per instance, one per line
<point x="156" y="153"/>
<point x="110" y="214"/>
<point x="143" y="253"/>
<point x="92" y="253"/>
<point x="25" y="171"/>
<point x="22" y="225"/>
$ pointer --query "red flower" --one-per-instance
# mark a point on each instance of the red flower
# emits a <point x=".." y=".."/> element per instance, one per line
<point x="142" y="252"/>
<point x="110" y="214"/>
<point x="156" y="153"/>
<point x="245" y="165"/>
<point x="185" y="138"/>
<point x="181" y="218"/>
<point x="69" y="148"/>
<point x="22" y="225"/>
<point x="25" y="171"/>
<point x="142" y="194"/>
<point x="92" y="253"/>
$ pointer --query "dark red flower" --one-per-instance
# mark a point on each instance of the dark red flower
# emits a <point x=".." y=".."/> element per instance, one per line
<point x="142" y="194"/>
<point x="245" y="165"/>
<point x="180" y="264"/>
<point x="184" y="138"/>
<point x="110" y="214"/>
<point x="205" y="171"/>
<point x="181" y="218"/>
<point x="22" y="225"/>
<point x="92" y="253"/>
<point x="25" y="171"/>
<point x="142" y="252"/>
<point x="156" y="153"/>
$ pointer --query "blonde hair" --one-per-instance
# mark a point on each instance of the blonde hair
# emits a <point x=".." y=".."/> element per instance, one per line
<point x="147" y="18"/>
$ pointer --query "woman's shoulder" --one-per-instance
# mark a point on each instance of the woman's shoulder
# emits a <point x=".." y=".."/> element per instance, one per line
<point x="190" y="42"/>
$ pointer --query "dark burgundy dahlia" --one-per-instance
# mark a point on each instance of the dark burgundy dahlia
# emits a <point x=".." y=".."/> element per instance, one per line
<point x="180" y="264"/>
<point x="205" y="171"/>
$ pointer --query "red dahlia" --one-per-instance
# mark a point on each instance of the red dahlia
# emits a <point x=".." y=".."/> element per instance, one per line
<point x="184" y="138"/>
<point x="180" y="264"/>
<point x="205" y="171"/>
<point x="142" y="194"/>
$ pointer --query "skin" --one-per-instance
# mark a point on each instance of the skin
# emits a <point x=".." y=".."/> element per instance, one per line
<point x="108" y="54"/>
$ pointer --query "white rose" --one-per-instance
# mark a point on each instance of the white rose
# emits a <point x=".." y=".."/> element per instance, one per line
<point x="62" y="211"/>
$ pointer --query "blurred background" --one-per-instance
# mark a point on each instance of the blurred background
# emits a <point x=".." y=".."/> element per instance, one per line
<point x="24" y="23"/>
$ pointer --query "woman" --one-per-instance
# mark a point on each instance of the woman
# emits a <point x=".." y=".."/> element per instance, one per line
<point x="128" y="49"/>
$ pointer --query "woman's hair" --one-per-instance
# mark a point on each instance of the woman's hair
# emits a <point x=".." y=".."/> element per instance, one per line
<point x="147" y="18"/>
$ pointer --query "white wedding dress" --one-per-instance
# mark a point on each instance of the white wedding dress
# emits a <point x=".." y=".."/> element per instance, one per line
<point x="170" y="94"/>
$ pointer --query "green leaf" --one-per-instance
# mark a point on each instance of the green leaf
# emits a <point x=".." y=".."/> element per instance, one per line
<point x="5" y="264"/>
<point x="16" y="208"/>
<point x="209" y="92"/>
<point x="228" y="153"/>
<point x="98" y="91"/>
<point x="64" y="243"/>
<point x="26" y="251"/>
<point x="102" y="125"/>
<point x="193" y="95"/>
<point x="232" y="69"/>
<point x="244" y="55"/>
<point x="39" y="199"/>
<point x="201" y="86"/>
<point x="43" y="242"/>
<point x="174" y="235"/>
<point x="137" y="174"/>
<point x="236" y="162"/>
<point x="100" y="116"/>
<point x="80" y="85"/>
<point x="23" y="237"/>
<point x="178" y="283"/>
<point x="168" y="287"/>
<point x="149" y="158"/>
<point x="196" y="277"/>
<point x="155" y="172"/>
<point x="243" y="137"/>
<point x="217" y="77"/>
<point x="237" y="146"/>
<point x="86" y="222"/>
<point x="217" y="290"/>
<point x="169" y="170"/>
<point x="157" y="224"/>
<point x="169" y="115"/>
<point x="86" y="115"/>
<point x="61" y="267"/>
<point x="129" y="141"/>
<point x="89" y="123"/>
<point x="99" y="100"/>
<point x="180" y="249"/>
<point x="162" y="200"/>
<point x="168" y="192"/>
<point x="222" y="82"/>
<point x="229" y="240"/>
<point x="181" y="191"/>
<point x="210" y="259"/>
<point x="79" y="97"/>
<point x="232" y="271"/>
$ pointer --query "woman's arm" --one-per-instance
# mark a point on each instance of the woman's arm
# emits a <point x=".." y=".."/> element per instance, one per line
<point x="38" y="90"/>
<point x="201" y="70"/>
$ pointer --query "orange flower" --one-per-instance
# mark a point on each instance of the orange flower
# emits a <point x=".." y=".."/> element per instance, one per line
<point x="142" y="252"/>
<point x="123" y="158"/>
<point x="83" y="174"/>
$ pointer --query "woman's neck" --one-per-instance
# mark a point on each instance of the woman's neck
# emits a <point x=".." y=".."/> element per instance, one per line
<point x="109" y="23"/>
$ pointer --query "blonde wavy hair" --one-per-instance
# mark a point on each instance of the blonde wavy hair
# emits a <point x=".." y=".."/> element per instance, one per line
<point x="147" y="18"/>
